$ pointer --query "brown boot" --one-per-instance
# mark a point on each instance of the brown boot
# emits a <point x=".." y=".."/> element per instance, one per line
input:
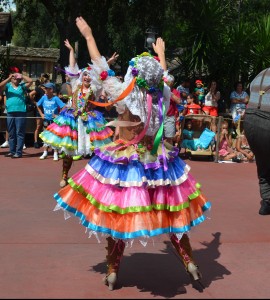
<point x="115" y="253"/>
<point x="67" y="162"/>
<point x="184" y="250"/>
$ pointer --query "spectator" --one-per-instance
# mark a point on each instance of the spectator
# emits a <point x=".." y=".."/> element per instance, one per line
<point x="256" y="125"/>
<point x="243" y="148"/>
<point x="65" y="92"/>
<point x="36" y="95"/>
<point x="200" y="92"/>
<point x="170" y="121"/>
<point x="226" y="151"/>
<point x="51" y="105"/>
<point x="192" y="107"/>
<point x="183" y="89"/>
<point x="211" y="100"/>
<point x="15" y="87"/>
<point x="239" y="100"/>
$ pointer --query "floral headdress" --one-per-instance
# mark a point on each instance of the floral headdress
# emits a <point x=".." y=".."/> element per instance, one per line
<point x="140" y="66"/>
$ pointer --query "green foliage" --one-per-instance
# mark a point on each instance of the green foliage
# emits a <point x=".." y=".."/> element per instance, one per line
<point x="224" y="40"/>
<point x="37" y="32"/>
<point x="5" y="63"/>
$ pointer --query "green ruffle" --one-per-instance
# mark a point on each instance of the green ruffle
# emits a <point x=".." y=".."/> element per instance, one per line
<point x="131" y="209"/>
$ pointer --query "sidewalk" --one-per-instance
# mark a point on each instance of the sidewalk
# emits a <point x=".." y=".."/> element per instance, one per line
<point x="44" y="256"/>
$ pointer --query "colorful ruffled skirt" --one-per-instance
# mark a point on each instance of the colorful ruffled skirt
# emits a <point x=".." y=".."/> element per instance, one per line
<point x="77" y="136"/>
<point x="131" y="193"/>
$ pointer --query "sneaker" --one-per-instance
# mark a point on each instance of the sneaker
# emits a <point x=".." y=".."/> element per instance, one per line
<point x="16" y="156"/>
<point x="43" y="156"/>
<point x="55" y="156"/>
<point x="9" y="155"/>
<point x="5" y="145"/>
<point x="36" y="145"/>
<point x="24" y="147"/>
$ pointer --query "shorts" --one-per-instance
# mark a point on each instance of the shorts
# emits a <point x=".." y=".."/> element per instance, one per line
<point x="211" y="110"/>
<point x="169" y="126"/>
<point x="46" y="123"/>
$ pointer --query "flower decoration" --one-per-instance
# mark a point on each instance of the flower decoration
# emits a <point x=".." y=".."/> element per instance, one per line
<point x="111" y="72"/>
<point x="134" y="72"/>
<point x="141" y="82"/>
<point x="145" y="54"/>
<point x="131" y="63"/>
<point x="103" y="75"/>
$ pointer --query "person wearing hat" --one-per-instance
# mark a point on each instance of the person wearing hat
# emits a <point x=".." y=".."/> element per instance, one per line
<point x="137" y="187"/>
<point x="51" y="106"/>
<point x="200" y="92"/>
<point x="15" y="88"/>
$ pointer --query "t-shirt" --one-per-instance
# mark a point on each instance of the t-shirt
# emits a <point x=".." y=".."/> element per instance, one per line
<point x="50" y="106"/>
<point x="172" y="108"/>
<point x="209" y="100"/>
<point x="201" y="96"/>
<point x="236" y="106"/>
<point x="258" y="84"/>
<point x="39" y="93"/>
<point x="16" y="100"/>
<point x="182" y="90"/>
<point x="193" y="109"/>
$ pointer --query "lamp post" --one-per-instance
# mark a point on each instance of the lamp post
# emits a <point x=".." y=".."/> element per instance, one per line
<point x="150" y="37"/>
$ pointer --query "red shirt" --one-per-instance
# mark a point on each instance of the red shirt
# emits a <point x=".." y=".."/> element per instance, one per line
<point x="172" y="108"/>
<point x="193" y="109"/>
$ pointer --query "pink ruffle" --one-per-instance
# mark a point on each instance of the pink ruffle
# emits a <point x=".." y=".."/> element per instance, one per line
<point x="62" y="131"/>
<point x="110" y="195"/>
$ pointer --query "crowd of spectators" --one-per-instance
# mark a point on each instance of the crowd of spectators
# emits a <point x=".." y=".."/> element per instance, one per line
<point x="187" y="99"/>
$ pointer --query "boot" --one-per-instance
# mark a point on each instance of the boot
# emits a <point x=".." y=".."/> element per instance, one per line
<point x="67" y="162"/>
<point x="184" y="250"/>
<point x="265" y="207"/>
<point x="115" y="253"/>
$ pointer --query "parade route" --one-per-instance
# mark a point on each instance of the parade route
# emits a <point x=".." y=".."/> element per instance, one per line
<point x="44" y="256"/>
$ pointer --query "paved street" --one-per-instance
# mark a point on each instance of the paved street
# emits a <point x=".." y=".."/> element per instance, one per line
<point x="45" y="256"/>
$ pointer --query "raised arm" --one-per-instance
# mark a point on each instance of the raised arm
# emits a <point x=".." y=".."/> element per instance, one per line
<point x="86" y="31"/>
<point x="72" y="59"/>
<point x="159" y="48"/>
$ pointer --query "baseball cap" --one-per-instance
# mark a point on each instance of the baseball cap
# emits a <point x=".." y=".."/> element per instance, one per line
<point x="49" y="85"/>
<point x="198" y="81"/>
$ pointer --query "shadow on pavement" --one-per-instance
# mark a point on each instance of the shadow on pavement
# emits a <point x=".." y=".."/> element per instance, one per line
<point x="161" y="275"/>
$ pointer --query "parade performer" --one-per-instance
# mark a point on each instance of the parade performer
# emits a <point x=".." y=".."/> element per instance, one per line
<point x="137" y="187"/>
<point x="80" y="128"/>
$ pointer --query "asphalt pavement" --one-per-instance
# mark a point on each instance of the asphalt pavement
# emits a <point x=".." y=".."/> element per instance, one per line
<point x="45" y="256"/>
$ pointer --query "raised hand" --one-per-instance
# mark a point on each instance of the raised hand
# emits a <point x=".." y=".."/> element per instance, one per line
<point x="67" y="44"/>
<point x="84" y="28"/>
<point x="112" y="59"/>
<point x="159" y="47"/>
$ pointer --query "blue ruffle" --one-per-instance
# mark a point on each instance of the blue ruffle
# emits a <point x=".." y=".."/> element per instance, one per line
<point x="136" y="171"/>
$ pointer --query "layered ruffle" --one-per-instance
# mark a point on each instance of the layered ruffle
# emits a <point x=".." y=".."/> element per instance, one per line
<point x="151" y="219"/>
<point x="63" y="133"/>
<point x="130" y="198"/>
